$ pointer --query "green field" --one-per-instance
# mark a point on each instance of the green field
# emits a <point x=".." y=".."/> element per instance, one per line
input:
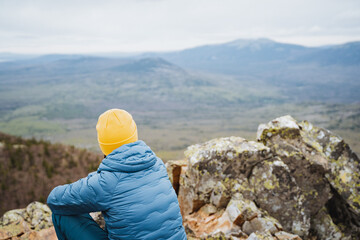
<point x="169" y="133"/>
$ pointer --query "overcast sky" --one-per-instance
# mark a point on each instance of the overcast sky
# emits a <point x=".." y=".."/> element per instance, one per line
<point x="78" y="26"/>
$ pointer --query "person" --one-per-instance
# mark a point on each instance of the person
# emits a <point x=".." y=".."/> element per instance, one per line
<point x="131" y="188"/>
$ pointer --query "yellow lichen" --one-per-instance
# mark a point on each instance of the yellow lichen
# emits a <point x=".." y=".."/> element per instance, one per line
<point x="269" y="185"/>
<point x="344" y="177"/>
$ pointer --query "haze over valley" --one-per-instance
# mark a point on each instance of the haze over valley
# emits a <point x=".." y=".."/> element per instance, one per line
<point x="183" y="97"/>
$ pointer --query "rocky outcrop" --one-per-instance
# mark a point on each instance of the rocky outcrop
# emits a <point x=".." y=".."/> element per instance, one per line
<point x="33" y="223"/>
<point x="30" y="223"/>
<point x="297" y="181"/>
<point x="325" y="169"/>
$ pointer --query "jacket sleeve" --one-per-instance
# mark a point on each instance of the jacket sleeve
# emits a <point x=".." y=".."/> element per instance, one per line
<point x="89" y="194"/>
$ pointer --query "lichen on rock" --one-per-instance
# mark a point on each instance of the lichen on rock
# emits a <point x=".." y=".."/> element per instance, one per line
<point x="306" y="164"/>
<point x="298" y="180"/>
<point x="276" y="192"/>
<point x="220" y="174"/>
<point x="325" y="228"/>
<point x="38" y="215"/>
<point x="32" y="222"/>
<point x="323" y="166"/>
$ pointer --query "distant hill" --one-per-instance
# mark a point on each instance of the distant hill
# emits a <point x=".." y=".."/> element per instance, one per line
<point x="7" y="57"/>
<point x="30" y="169"/>
<point x="259" y="55"/>
<point x="345" y="55"/>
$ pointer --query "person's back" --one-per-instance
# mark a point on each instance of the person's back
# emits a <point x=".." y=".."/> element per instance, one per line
<point x="130" y="187"/>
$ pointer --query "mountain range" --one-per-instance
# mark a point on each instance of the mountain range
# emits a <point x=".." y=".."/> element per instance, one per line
<point x="61" y="95"/>
<point x="241" y="56"/>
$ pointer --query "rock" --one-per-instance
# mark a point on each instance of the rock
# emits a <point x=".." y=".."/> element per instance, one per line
<point x="204" y="223"/>
<point x="14" y="229"/>
<point x="325" y="228"/>
<point x="308" y="166"/>
<point x="298" y="181"/>
<point x="46" y="234"/>
<point x="99" y="219"/>
<point x="221" y="236"/>
<point x="32" y="222"/>
<point x="220" y="175"/>
<point x="286" y="236"/>
<point x="261" y="224"/>
<point x="38" y="215"/>
<point x="189" y="203"/>
<point x="323" y="165"/>
<point x="240" y="210"/>
<point x="217" y="236"/>
<point x="261" y="236"/>
<point x="231" y="156"/>
<point x="276" y="192"/>
<point x="342" y="162"/>
<point x="174" y="169"/>
<point x="298" y="178"/>
<point x="13" y="216"/>
<point x="216" y="170"/>
<point x="219" y="196"/>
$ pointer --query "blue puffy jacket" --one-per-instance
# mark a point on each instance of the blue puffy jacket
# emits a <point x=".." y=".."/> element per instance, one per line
<point x="132" y="189"/>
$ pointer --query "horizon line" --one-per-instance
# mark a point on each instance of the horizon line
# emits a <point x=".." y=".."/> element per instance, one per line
<point x="133" y="53"/>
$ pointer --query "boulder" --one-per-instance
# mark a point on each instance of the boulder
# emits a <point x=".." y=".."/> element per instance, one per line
<point x="14" y="229"/>
<point x="174" y="169"/>
<point x="276" y="192"/>
<point x="261" y="224"/>
<point x="241" y="210"/>
<point x="32" y="222"/>
<point x="13" y="216"/>
<point x="324" y="167"/>
<point x="325" y="228"/>
<point x="205" y="224"/>
<point x="44" y="234"/>
<point x="286" y="236"/>
<point x="223" y="174"/>
<point x="298" y="181"/>
<point x="307" y="165"/>
<point x="261" y="236"/>
<point x="38" y="215"/>
<point x="217" y="169"/>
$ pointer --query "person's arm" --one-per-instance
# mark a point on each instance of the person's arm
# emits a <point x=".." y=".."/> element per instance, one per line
<point x="89" y="194"/>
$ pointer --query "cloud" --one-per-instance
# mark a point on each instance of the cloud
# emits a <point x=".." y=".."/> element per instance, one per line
<point x="143" y="25"/>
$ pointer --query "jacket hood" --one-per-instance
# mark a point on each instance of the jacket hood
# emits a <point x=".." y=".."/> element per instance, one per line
<point x="131" y="157"/>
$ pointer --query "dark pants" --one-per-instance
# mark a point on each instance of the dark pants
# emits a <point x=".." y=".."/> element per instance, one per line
<point x="77" y="227"/>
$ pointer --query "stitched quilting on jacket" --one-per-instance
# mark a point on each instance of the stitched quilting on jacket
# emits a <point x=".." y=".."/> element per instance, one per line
<point x="132" y="189"/>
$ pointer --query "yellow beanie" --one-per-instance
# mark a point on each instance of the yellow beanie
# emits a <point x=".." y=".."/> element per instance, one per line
<point x="115" y="128"/>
